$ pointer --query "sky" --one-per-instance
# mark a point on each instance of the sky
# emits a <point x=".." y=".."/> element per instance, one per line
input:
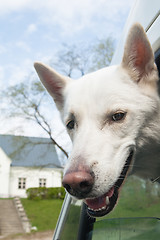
<point x="35" y="30"/>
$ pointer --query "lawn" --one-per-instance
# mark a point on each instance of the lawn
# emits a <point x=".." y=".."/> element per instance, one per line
<point x="138" y="199"/>
<point x="42" y="213"/>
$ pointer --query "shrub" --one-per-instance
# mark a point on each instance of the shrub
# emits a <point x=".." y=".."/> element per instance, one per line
<point x="58" y="193"/>
<point x="45" y="193"/>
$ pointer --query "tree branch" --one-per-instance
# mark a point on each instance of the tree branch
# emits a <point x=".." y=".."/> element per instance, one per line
<point x="46" y="127"/>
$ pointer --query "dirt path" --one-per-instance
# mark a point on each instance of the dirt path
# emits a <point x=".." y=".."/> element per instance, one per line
<point x="48" y="235"/>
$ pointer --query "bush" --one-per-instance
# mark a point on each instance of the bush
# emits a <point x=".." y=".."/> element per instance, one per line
<point x="56" y="193"/>
<point x="45" y="193"/>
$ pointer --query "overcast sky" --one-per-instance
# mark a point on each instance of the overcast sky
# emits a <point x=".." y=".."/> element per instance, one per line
<point x="33" y="30"/>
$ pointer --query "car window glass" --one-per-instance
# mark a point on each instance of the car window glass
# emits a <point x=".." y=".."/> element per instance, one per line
<point x="127" y="229"/>
<point x="70" y="229"/>
<point x="136" y="215"/>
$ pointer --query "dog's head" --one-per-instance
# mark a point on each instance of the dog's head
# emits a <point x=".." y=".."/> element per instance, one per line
<point x="108" y="114"/>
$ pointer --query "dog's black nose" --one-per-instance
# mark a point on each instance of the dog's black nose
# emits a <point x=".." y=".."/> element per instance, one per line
<point x="78" y="183"/>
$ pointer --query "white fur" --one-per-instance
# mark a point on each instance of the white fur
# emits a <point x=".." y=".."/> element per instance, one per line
<point x="101" y="145"/>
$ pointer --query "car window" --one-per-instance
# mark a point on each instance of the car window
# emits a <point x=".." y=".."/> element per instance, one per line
<point x="137" y="214"/>
<point x="71" y="226"/>
<point x="127" y="229"/>
<point x="157" y="60"/>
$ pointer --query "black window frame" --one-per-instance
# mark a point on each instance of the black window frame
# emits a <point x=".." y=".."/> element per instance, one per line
<point x="22" y="183"/>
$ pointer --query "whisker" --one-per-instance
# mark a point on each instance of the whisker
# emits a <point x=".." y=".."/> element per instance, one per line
<point x="116" y="186"/>
<point x="133" y="165"/>
<point x="121" y="178"/>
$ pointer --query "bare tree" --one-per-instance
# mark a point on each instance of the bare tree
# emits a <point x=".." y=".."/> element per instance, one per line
<point x="83" y="59"/>
<point x="102" y="53"/>
<point x="73" y="60"/>
<point x="25" y="100"/>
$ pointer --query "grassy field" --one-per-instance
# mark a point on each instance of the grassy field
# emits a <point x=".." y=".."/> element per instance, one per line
<point x="42" y="213"/>
<point x="138" y="199"/>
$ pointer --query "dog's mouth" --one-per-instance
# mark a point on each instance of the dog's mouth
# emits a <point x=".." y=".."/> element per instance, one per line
<point x="100" y="206"/>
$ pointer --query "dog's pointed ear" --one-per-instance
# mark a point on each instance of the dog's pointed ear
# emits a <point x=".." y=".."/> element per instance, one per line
<point x="138" y="58"/>
<point x="53" y="82"/>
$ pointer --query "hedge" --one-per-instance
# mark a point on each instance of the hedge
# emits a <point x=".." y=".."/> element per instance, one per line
<point x="45" y="193"/>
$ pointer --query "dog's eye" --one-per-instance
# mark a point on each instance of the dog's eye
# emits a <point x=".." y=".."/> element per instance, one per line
<point x="70" y="124"/>
<point x="118" y="116"/>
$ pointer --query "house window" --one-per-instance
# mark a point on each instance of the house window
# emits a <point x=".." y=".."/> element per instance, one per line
<point x="42" y="182"/>
<point x="21" y="183"/>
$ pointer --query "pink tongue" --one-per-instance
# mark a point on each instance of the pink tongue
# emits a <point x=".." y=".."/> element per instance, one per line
<point x="98" y="203"/>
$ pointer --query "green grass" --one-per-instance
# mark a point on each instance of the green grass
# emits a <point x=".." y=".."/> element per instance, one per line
<point x="43" y="213"/>
<point x="136" y="200"/>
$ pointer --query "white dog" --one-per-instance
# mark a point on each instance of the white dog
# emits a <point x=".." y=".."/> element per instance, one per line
<point x="109" y="114"/>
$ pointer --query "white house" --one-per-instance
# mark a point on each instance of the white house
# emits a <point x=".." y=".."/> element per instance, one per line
<point x="5" y="163"/>
<point x="27" y="162"/>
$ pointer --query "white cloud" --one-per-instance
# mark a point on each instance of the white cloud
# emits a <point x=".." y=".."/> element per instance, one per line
<point x="2" y="49"/>
<point x="23" y="45"/>
<point x="70" y="15"/>
<point x="8" y="6"/>
<point x="31" y="28"/>
<point x="1" y="76"/>
<point x="73" y="16"/>
<point x="16" y="73"/>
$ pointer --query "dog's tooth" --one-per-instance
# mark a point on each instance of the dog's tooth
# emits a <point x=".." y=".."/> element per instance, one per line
<point x="107" y="200"/>
<point x="97" y="210"/>
<point x="91" y="209"/>
<point x="103" y="208"/>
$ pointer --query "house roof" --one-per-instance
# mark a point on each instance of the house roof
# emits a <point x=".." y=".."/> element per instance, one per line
<point x="30" y="151"/>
